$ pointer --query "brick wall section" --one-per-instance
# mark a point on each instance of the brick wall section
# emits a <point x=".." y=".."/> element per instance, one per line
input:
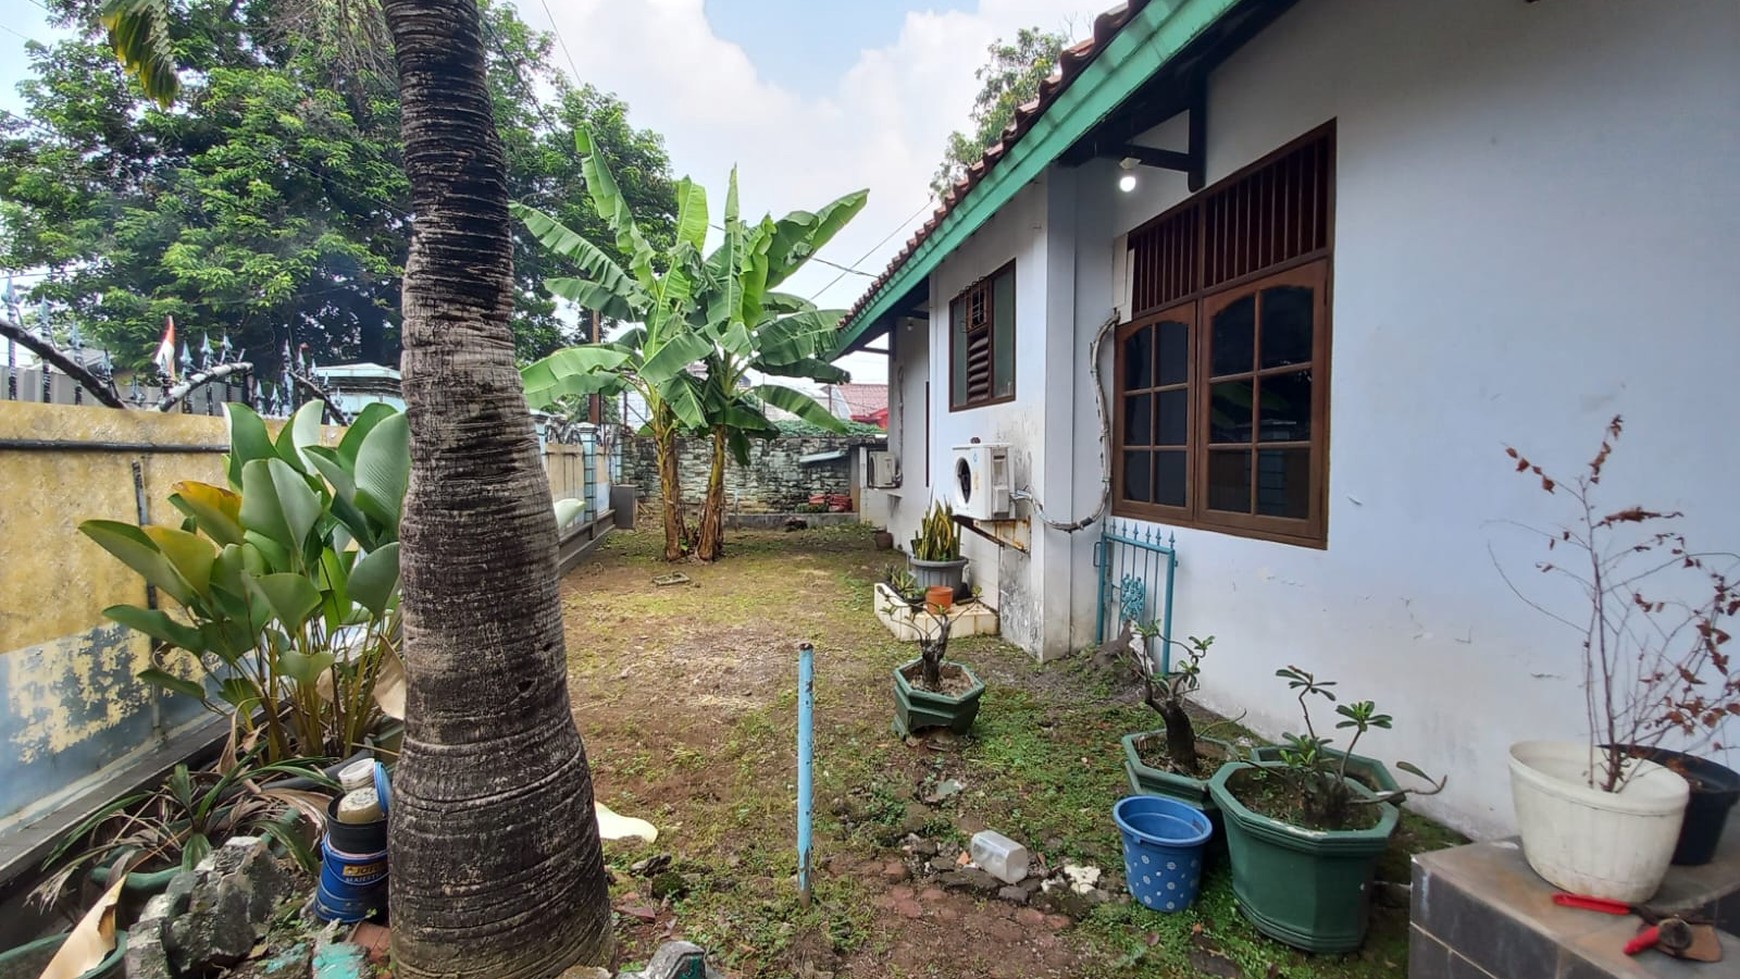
<point x="774" y="482"/>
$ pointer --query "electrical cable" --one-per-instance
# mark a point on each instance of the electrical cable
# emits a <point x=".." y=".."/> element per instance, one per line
<point x="1105" y="472"/>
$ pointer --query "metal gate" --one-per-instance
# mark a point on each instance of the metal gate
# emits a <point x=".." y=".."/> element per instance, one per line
<point x="1136" y="572"/>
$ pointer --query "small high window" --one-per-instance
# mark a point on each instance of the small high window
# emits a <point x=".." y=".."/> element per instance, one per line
<point x="982" y="342"/>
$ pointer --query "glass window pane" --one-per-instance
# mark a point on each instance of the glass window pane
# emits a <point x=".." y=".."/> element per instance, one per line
<point x="1233" y="346"/>
<point x="1169" y="479"/>
<point x="1174" y="352"/>
<point x="1003" y="344"/>
<point x="1286" y="326"/>
<point x="1229" y="412"/>
<point x="1286" y="407"/>
<point x="1229" y="481"/>
<point x="1138" y="354"/>
<point x="1138" y="477"/>
<point x="958" y="354"/>
<point x="1139" y="420"/>
<point x="1284" y="482"/>
<point x="1172" y="426"/>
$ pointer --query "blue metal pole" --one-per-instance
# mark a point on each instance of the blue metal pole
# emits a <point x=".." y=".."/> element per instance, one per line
<point x="806" y="749"/>
<point x="1166" y="630"/>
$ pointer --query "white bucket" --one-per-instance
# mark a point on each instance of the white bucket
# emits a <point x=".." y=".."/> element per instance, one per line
<point x="1613" y="845"/>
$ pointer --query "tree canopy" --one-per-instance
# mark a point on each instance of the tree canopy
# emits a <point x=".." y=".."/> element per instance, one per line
<point x="270" y="202"/>
<point x="1010" y="76"/>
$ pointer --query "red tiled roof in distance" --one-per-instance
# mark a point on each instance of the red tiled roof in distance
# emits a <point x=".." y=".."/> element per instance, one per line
<point x="1070" y="63"/>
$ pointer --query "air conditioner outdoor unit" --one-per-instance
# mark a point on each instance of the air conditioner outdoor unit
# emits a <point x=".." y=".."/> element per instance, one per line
<point x="980" y="487"/>
<point x="884" y="471"/>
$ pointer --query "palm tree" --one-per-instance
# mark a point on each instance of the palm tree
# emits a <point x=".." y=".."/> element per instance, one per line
<point x="497" y="870"/>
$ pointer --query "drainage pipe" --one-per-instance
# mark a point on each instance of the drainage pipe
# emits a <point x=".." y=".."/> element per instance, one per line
<point x="806" y="746"/>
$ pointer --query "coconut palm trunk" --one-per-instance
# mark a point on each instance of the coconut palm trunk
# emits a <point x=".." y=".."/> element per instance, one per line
<point x="710" y="544"/>
<point x="497" y="872"/>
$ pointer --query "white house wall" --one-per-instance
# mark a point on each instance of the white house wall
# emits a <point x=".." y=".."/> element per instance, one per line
<point x="1535" y="229"/>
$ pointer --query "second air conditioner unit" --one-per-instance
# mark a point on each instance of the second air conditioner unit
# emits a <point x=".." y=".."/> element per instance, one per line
<point x="978" y="487"/>
<point x="884" y="470"/>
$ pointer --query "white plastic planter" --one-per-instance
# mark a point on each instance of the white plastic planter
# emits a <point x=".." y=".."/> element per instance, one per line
<point x="1614" y="845"/>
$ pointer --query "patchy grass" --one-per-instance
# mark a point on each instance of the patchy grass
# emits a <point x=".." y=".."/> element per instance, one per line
<point x="687" y="698"/>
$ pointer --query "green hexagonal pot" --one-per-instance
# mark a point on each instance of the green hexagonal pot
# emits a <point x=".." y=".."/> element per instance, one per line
<point x="1375" y="774"/>
<point x="1308" y="888"/>
<point x="1148" y="780"/>
<point x="915" y="708"/>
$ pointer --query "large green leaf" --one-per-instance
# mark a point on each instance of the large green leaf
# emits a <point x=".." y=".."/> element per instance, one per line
<point x="330" y="464"/>
<point x="262" y="554"/>
<point x="801" y="234"/>
<point x="588" y="294"/>
<point x="799" y="404"/>
<point x="810" y="368"/>
<point x="216" y="510"/>
<point x="608" y="201"/>
<point x="300" y="432"/>
<point x="586" y="369"/>
<point x="374" y="582"/>
<point x="674" y="356"/>
<point x="304" y="668"/>
<point x="278" y="503"/>
<point x="139" y="33"/>
<point x="372" y="414"/>
<point x="691" y="214"/>
<point x="172" y="683"/>
<point x="249" y="439"/>
<point x="159" y="625"/>
<point x="599" y="268"/>
<point x="292" y="597"/>
<point x="682" y="395"/>
<point x="190" y="554"/>
<point x="383" y="471"/>
<point x="138" y="551"/>
<point x="784" y="302"/>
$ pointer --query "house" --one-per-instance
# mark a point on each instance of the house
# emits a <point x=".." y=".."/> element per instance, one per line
<point x="866" y="403"/>
<point x="1343" y="253"/>
<point x="356" y="386"/>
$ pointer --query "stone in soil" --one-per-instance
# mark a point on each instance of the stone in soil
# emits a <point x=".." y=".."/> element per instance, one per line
<point x="1013" y="894"/>
<point x="895" y="871"/>
<point x="924" y="848"/>
<point x="342" y="960"/>
<point x="970" y="879"/>
<point x="669" y="884"/>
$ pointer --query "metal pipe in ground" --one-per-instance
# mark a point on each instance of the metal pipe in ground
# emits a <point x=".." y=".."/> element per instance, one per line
<point x="806" y="748"/>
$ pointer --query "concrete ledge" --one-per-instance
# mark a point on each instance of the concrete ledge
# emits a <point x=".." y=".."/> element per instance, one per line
<point x="969" y="618"/>
<point x="1479" y="912"/>
<point x="777" y="521"/>
<point x="578" y="540"/>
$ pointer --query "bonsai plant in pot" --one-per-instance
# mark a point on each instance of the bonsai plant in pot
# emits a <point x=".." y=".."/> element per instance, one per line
<point x="1303" y="834"/>
<point x="928" y="692"/>
<point x="1604" y="816"/>
<point x="936" y="550"/>
<point x="1172" y="760"/>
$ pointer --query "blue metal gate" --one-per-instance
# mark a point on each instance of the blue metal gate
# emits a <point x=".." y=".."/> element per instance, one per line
<point x="1136" y="572"/>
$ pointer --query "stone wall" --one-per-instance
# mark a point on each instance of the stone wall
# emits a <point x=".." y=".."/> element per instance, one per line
<point x="773" y="482"/>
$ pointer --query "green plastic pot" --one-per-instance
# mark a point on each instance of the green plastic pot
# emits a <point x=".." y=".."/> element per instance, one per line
<point x="1375" y="774"/>
<point x="1308" y="888"/>
<point x="915" y="708"/>
<point x="27" y="961"/>
<point x="1147" y="780"/>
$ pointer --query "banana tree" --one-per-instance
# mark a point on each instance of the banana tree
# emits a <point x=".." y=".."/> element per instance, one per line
<point x="754" y="329"/>
<point x="657" y="291"/>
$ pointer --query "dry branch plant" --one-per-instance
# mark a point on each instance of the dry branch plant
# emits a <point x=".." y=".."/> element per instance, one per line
<point x="1654" y="661"/>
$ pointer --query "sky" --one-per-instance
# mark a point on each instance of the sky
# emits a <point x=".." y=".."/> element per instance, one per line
<point x="810" y="99"/>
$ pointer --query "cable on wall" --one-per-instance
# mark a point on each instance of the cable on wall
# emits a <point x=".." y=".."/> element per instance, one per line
<point x="1025" y="493"/>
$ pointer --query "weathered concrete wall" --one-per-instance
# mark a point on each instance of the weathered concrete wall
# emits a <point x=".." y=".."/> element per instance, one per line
<point x="774" y="480"/>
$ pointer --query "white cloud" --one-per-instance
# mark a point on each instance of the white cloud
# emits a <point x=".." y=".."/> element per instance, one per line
<point x="880" y="124"/>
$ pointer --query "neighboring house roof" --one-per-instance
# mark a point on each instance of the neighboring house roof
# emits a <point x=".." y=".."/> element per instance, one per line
<point x="860" y="400"/>
<point x="1094" y="78"/>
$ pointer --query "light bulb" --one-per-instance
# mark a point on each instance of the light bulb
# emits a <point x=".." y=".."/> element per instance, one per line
<point x="1127" y="182"/>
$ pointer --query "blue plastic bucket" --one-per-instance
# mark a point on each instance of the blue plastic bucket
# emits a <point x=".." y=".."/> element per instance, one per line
<point x="1163" y="849"/>
<point x="352" y="885"/>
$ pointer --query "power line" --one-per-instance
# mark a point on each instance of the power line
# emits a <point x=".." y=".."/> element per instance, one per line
<point x="563" y="42"/>
<point x="885" y="239"/>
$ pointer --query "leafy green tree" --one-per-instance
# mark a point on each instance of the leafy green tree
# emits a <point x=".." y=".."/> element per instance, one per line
<point x="271" y="203"/>
<point x="1010" y="76"/>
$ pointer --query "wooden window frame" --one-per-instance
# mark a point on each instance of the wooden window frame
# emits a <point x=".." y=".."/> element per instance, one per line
<point x="1314" y="269"/>
<point x="988" y="284"/>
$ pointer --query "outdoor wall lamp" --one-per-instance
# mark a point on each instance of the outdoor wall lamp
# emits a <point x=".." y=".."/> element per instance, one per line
<point x="1127" y="179"/>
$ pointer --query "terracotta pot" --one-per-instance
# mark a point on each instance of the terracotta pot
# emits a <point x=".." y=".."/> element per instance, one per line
<point x="939" y="597"/>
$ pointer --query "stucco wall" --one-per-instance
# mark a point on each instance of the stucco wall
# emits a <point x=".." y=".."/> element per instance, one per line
<point x="1535" y="221"/>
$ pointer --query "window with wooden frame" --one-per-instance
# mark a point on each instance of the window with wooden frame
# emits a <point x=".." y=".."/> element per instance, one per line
<point x="982" y="342"/>
<point x="1222" y="372"/>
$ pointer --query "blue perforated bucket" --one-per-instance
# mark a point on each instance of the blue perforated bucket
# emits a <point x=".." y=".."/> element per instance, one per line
<point x="1163" y="844"/>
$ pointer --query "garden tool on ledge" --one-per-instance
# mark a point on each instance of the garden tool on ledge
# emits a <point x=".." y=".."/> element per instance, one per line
<point x="1681" y="935"/>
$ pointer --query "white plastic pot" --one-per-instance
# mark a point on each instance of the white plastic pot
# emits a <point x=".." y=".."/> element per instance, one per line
<point x="1613" y="845"/>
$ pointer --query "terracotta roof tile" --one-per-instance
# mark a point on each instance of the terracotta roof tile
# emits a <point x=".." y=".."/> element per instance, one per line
<point x="1070" y="63"/>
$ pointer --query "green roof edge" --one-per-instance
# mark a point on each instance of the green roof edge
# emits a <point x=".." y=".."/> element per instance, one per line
<point x="1142" y="47"/>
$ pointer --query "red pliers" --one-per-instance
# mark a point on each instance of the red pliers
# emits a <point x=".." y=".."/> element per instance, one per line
<point x="1677" y="936"/>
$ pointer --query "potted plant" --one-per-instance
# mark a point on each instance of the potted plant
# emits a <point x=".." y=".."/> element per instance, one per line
<point x="1304" y="836"/>
<point x="936" y="550"/>
<point x="1172" y="760"/>
<point x="1604" y="816"/>
<point x="928" y="693"/>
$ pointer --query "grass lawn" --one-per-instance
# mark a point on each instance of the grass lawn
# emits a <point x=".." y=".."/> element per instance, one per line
<point x="687" y="698"/>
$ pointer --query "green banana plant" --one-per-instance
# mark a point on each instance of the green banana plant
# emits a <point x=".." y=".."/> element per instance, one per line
<point x="658" y="291"/>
